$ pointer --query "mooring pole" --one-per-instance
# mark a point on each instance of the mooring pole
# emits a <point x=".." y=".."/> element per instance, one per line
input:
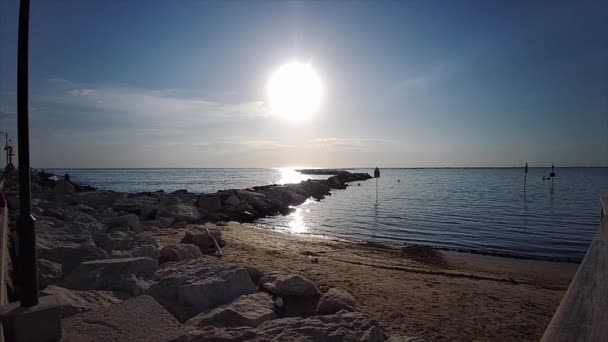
<point x="376" y="190"/>
<point x="376" y="175"/>
<point x="552" y="174"/>
<point x="525" y="176"/>
<point x="27" y="259"/>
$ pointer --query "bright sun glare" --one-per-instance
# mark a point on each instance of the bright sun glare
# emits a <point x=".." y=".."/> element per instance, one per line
<point x="294" y="91"/>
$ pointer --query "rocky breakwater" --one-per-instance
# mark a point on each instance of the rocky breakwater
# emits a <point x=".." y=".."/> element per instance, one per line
<point x="99" y="257"/>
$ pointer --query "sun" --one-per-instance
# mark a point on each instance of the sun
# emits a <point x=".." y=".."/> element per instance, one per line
<point x="294" y="91"/>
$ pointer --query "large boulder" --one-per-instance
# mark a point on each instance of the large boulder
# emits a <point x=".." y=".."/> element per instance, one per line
<point x="181" y="212"/>
<point x="247" y="310"/>
<point x="130" y="220"/>
<point x="63" y="186"/>
<point x="97" y="198"/>
<point x="344" y="326"/>
<point x="139" y="319"/>
<point x="204" y="240"/>
<point x="129" y="205"/>
<point x="258" y="202"/>
<point x="127" y="244"/>
<point x="210" y="203"/>
<point x="53" y="213"/>
<point x="48" y="272"/>
<point x="336" y="300"/>
<point x="281" y="284"/>
<point x="74" y="302"/>
<point x="187" y="288"/>
<point x="232" y="201"/>
<point x="67" y="245"/>
<point x="179" y="252"/>
<point x="124" y="275"/>
<point x="398" y="338"/>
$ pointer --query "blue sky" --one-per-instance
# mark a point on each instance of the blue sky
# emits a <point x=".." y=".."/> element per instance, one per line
<point x="406" y="83"/>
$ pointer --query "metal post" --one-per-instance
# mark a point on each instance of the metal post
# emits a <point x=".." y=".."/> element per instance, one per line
<point x="27" y="260"/>
<point x="5" y="145"/>
<point x="376" y="190"/>
<point x="525" y="176"/>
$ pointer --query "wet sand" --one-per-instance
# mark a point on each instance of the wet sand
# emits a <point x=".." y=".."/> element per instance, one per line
<point x="444" y="296"/>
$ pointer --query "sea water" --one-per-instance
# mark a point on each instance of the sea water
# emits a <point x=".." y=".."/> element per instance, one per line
<point x="485" y="210"/>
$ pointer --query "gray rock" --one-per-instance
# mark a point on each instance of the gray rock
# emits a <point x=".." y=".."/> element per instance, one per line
<point x="128" y="245"/>
<point x="166" y="222"/>
<point x="77" y="216"/>
<point x="98" y="198"/>
<point x="139" y="319"/>
<point x="130" y="220"/>
<point x="148" y="212"/>
<point x="204" y="240"/>
<point x="48" y="272"/>
<point x="344" y="326"/>
<point x="125" y="275"/>
<point x="84" y="208"/>
<point x="128" y="205"/>
<point x="122" y="228"/>
<point x="187" y="288"/>
<point x="74" y="302"/>
<point x="181" y="212"/>
<point x="53" y="213"/>
<point x="179" y="252"/>
<point x="68" y="245"/>
<point x="336" y="300"/>
<point x="247" y="310"/>
<point x="396" y="338"/>
<point x="211" y="203"/>
<point x="288" y="285"/>
<point x="232" y="201"/>
<point x="255" y="274"/>
<point x="63" y="187"/>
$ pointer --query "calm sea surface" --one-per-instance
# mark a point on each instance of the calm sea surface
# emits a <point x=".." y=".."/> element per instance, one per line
<point x="478" y="209"/>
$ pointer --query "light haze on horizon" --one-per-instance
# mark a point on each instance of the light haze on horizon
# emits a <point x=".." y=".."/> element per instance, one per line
<point x="405" y="84"/>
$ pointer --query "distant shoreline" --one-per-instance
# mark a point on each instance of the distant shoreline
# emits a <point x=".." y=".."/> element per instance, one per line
<point x="332" y="168"/>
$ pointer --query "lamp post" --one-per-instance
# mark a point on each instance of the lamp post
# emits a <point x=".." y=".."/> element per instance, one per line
<point x="28" y="260"/>
<point x="5" y="144"/>
<point x="33" y="318"/>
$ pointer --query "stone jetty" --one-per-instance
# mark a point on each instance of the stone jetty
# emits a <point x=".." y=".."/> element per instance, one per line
<point x="99" y="257"/>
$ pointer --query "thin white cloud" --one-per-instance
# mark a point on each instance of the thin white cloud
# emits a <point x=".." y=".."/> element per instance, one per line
<point x="348" y="142"/>
<point x="257" y="145"/>
<point x="168" y="107"/>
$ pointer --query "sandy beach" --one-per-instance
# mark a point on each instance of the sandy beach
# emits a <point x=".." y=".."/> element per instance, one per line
<point x="446" y="296"/>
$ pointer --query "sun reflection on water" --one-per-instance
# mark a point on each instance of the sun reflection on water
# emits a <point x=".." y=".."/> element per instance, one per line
<point x="289" y="175"/>
<point x="297" y="224"/>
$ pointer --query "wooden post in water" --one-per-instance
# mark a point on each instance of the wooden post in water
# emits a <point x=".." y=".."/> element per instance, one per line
<point x="552" y="174"/>
<point x="525" y="176"/>
<point x="377" y="175"/>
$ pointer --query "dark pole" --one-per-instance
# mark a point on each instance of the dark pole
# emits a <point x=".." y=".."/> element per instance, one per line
<point x="5" y="144"/>
<point x="525" y="176"/>
<point x="27" y="259"/>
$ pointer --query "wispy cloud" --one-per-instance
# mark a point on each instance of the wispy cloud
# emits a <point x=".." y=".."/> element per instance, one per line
<point x="257" y="145"/>
<point x="168" y="108"/>
<point x="425" y="78"/>
<point x="352" y="143"/>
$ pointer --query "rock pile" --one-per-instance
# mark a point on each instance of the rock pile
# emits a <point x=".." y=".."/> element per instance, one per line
<point x="99" y="259"/>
